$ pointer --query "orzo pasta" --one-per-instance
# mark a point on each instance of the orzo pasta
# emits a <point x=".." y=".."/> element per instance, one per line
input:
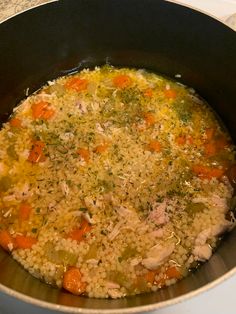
<point x="113" y="182"/>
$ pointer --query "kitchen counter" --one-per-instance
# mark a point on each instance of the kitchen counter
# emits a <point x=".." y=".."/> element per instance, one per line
<point x="218" y="300"/>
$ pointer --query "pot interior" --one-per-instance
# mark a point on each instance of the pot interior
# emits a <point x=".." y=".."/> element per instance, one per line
<point x="65" y="36"/>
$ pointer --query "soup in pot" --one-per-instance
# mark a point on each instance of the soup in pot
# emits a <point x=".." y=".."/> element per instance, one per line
<point x="113" y="182"/>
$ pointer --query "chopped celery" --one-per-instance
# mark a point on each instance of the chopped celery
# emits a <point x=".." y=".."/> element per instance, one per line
<point x="92" y="252"/>
<point x="120" y="278"/>
<point x="58" y="89"/>
<point x="5" y="183"/>
<point x="59" y="256"/>
<point x="128" y="253"/>
<point x="11" y="152"/>
<point x="193" y="208"/>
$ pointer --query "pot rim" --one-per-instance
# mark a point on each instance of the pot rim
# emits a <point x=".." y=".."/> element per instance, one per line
<point x="171" y="1"/>
<point x="136" y="309"/>
<point x="131" y="310"/>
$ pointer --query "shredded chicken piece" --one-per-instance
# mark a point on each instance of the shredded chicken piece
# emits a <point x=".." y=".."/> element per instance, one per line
<point x="6" y="214"/>
<point x="213" y="231"/>
<point x="220" y="203"/>
<point x="82" y="106"/>
<point x="9" y="198"/>
<point x="202" y="252"/>
<point x="159" y="233"/>
<point x="88" y="218"/>
<point x="23" y="192"/>
<point x="68" y="136"/>
<point x="157" y="255"/>
<point x="111" y="236"/>
<point x="135" y="261"/>
<point x="115" y="293"/>
<point x="129" y="214"/>
<point x="112" y="285"/>
<point x="158" y="214"/>
<point x="213" y="201"/>
<point x="92" y="261"/>
<point x="65" y="188"/>
<point x="99" y="128"/>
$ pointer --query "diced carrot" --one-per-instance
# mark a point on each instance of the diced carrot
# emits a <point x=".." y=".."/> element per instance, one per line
<point x="148" y="92"/>
<point x="210" y="133"/>
<point x="160" y="282"/>
<point x="101" y="148"/>
<point x="42" y="110"/>
<point x="77" y="84"/>
<point x="24" y="211"/>
<point x="170" y="93"/>
<point x="72" y="281"/>
<point x="181" y="140"/>
<point x="36" y="154"/>
<point x="78" y="234"/>
<point x="215" y="145"/>
<point x="173" y="272"/>
<point x="189" y="139"/>
<point x="15" y="122"/>
<point x="210" y="149"/>
<point x="154" y="146"/>
<point x="149" y="118"/>
<point x="221" y="142"/>
<point x="84" y="153"/>
<point x="48" y="114"/>
<point x="150" y="276"/>
<point x="122" y="81"/>
<point x="216" y="173"/>
<point x="25" y="242"/>
<point x="205" y="172"/>
<point x="7" y="242"/>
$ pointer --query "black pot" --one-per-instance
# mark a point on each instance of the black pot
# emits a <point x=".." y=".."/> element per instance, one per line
<point x="54" y="39"/>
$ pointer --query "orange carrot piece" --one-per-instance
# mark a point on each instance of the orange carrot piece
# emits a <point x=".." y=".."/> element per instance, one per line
<point x="101" y="148"/>
<point x="170" y="93"/>
<point x="36" y="154"/>
<point x="25" y="210"/>
<point x="72" y="281"/>
<point x="173" y="272"/>
<point x="42" y="110"/>
<point x="221" y="142"/>
<point x="122" y="81"/>
<point x="15" y="122"/>
<point x="181" y="140"/>
<point x="160" y="282"/>
<point x="84" y="153"/>
<point x="205" y="172"/>
<point x="48" y="114"/>
<point x="215" y="145"/>
<point x="210" y="149"/>
<point x="189" y="139"/>
<point x="150" y="276"/>
<point x="77" y="84"/>
<point x="210" y="133"/>
<point x="149" y="118"/>
<point x="216" y="173"/>
<point x="25" y="242"/>
<point x="78" y="234"/>
<point x="154" y="146"/>
<point x="148" y="92"/>
<point x="7" y="242"/>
